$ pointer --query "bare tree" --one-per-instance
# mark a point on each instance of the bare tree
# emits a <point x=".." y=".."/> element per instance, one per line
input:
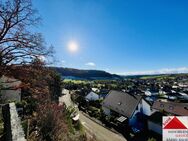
<point x="18" y="44"/>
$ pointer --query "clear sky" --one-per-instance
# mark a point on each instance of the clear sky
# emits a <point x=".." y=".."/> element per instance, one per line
<point x="119" y="36"/>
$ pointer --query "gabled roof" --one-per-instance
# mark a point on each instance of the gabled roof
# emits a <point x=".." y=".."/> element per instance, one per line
<point x="92" y="93"/>
<point x="175" y="108"/>
<point x="122" y="103"/>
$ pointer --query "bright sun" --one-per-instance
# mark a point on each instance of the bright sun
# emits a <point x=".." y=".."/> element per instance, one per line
<point x="72" y="46"/>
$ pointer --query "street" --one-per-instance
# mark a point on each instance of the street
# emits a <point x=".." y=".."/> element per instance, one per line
<point x="101" y="133"/>
<point x="92" y="128"/>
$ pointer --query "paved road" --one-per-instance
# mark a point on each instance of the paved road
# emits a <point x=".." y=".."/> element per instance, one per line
<point x="101" y="133"/>
<point x="92" y="128"/>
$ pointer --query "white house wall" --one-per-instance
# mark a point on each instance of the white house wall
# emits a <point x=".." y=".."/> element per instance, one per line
<point x="146" y="108"/>
<point x="133" y="119"/>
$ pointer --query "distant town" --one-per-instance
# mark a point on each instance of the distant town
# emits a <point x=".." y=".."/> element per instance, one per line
<point x="132" y="105"/>
<point x="93" y="70"/>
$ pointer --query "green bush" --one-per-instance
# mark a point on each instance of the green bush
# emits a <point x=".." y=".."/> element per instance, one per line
<point x="78" y="126"/>
<point x="25" y="126"/>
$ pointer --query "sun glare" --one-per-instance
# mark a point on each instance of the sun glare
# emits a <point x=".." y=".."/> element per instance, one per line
<point x="72" y="46"/>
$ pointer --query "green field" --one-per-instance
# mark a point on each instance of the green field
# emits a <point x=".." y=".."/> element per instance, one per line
<point x="158" y="77"/>
<point x="76" y="81"/>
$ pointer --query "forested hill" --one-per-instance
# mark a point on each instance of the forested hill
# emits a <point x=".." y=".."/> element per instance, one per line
<point x="85" y="74"/>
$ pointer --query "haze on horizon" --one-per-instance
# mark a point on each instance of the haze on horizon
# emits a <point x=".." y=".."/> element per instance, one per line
<point x="123" y="37"/>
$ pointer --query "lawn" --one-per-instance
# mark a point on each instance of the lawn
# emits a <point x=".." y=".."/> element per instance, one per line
<point x="75" y="81"/>
<point x="157" y="77"/>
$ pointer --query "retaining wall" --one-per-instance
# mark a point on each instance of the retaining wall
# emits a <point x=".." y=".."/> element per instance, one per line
<point x="12" y="123"/>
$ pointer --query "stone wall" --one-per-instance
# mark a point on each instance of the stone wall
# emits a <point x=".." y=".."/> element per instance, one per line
<point x="12" y="123"/>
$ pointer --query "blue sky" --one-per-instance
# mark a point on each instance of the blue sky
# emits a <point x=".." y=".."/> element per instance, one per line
<point x="119" y="36"/>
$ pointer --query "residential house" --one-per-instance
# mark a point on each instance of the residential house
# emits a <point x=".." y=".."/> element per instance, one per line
<point x="184" y="95"/>
<point x="146" y="107"/>
<point x="174" y="96"/>
<point x="127" y="105"/>
<point x="183" y="85"/>
<point x="163" y="109"/>
<point x="175" y="86"/>
<point x="96" y="90"/>
<point x="151" y="93"/>
<point x="92" y="96"/>
<point x="10" y="89"/>
<point x="161" y="92"/>
<point x="171" y="108"/>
